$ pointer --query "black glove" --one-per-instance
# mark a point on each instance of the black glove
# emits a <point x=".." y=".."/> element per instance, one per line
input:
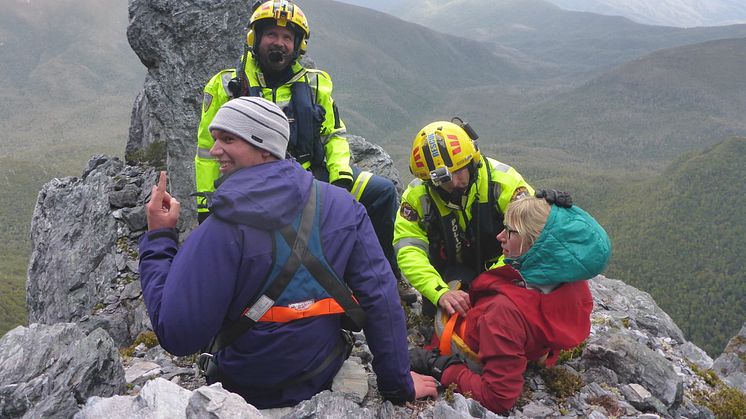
<point x="344" y="183"/>
<point x="555" y="197"/>
<point x="431" y="363"/>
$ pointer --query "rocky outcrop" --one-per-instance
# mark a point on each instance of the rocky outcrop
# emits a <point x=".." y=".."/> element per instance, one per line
<point x="731" y="365"/>
<point x="182" y="44"/>
<point x="623" y="371"/>
<point x="47" y="371"/>
<point x="83" y="265"/>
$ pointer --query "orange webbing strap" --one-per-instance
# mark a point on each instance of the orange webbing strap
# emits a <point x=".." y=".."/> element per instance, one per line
<point x="447" y="335"/>
<point x="287" y="314"/>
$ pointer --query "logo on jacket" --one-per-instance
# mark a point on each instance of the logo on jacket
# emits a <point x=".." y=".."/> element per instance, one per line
<point x="302" y="305"/>
<point x="519" y="193"/>
<point x="206" y="102"/>
<point x="408" y="213"/>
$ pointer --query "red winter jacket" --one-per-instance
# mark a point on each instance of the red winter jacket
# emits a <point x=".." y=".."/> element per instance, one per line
<point x="509" y="325"/>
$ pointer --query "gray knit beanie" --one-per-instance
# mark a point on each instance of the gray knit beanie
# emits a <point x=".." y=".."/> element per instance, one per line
<point x="257" y="121"/>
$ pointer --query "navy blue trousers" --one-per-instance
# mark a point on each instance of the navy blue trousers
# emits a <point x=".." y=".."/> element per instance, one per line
<point x="381" y="202"/>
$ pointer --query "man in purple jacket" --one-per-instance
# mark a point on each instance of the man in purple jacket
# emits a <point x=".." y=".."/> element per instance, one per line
<point x="222" y="266"/>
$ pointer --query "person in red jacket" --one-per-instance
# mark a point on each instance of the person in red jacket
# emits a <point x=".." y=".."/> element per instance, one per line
<point x="532" y="307"/>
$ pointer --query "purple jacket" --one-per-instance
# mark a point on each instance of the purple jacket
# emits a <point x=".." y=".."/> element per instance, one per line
<point x="191" y="294"/>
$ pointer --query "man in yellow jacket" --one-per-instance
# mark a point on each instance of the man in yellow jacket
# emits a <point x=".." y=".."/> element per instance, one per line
<point x="450" y="215"/>
<point x="277" y="37"/>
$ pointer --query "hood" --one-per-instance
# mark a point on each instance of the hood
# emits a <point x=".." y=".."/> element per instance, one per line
<point x="266" y="196"/>
<point x="571" y="247"/>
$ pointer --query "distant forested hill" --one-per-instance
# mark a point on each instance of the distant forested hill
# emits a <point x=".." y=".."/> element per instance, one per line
<point x="574" y="42"/>
<point x="648" y="110"/>
<point x="681" y="236"/>
<point x="682" y="13"/>
<point x="391" y="75"/>
<point x="67" y="77"/>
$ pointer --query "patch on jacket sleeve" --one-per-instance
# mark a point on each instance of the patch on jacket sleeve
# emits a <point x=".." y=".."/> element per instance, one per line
<point x="206" y="102"/>
<point x="408" y="213"/>
<point x="519" y="193"/>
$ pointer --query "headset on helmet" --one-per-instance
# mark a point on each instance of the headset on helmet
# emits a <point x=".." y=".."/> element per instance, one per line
<point x="281" y="13"/>
<point x="441" y="148"/>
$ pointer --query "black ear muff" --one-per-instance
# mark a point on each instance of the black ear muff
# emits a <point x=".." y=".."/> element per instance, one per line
<point x="466" y="127"/>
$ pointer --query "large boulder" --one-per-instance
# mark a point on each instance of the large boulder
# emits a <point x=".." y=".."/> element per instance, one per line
<point x="161" y="398"/>
<point x="731" y="365"/>
<point x="47" y="371"/>
<point x="83" y="265"/>
<point x="635" y="309"/>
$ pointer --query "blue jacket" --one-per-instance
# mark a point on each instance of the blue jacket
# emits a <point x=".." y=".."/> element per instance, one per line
<point x="191" y="294"/>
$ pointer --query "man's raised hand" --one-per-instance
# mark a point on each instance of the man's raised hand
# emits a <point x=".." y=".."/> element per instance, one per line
<point x="162" y="210"/>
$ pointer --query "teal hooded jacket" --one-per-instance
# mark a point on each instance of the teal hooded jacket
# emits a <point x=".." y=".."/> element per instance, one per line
<point x="572" y="246"/>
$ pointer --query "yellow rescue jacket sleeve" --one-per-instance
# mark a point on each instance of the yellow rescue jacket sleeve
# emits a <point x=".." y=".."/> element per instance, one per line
<point x="512" y="187"/>
<point x="206" y="168"/>
<point x="512" y="184"/>
<point x="336" y="147"/>
<point x="412" y="245"/>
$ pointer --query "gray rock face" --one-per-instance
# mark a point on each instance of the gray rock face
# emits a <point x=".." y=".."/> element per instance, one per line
<point x="46" y="371"/>
<point x="731" y="365"/>
<point x="630" y="307"/>
<point x="183" y="44"/>
<point x="83" y="265"/>
<point x="373" y="158"/>
<point x="634" y="362"/>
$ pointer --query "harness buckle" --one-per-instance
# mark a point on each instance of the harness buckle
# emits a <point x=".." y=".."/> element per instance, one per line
<point x="203" y="362"/>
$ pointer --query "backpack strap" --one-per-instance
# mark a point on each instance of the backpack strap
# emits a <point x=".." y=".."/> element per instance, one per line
<point x="255" y="310"/>
<point x="299" y="255"/>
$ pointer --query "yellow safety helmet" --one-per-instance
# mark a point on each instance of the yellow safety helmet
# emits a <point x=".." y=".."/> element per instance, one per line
<point x="281" y="13"/>
<point x="441" y="148"/>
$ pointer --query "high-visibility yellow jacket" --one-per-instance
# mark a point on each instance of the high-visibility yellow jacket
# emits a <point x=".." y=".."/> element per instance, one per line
<point x="216" y="93"/>
<point x="425" y="224"/>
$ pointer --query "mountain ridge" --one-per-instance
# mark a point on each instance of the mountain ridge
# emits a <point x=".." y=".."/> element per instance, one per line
<point x="679" y="13"/>
<point x="659" y="105"/>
